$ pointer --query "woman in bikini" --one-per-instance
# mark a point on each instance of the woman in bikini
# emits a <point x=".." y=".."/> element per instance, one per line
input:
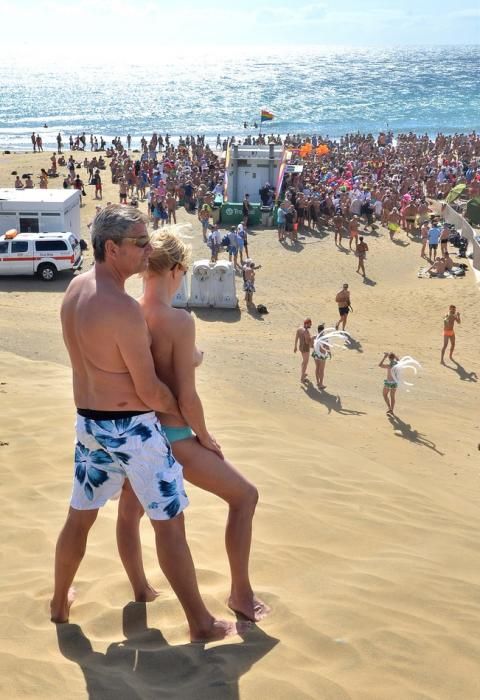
<point x="320" y="354"/>
<point x="389" y="384"/>
<point x="176" y="357"/>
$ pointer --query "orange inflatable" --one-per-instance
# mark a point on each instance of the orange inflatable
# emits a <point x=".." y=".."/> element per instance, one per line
<point x="11" y="234"/>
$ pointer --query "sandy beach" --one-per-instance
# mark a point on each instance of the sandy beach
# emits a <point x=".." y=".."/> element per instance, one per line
<point x="365" y="540"/>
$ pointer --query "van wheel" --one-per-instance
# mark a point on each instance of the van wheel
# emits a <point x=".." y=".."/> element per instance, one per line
<point x="47" y="272"/>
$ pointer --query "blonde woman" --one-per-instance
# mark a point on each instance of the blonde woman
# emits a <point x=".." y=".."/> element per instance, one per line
<point x="176" y="357"/>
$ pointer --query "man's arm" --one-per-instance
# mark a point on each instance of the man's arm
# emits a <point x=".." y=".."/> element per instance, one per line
<point x="457" y="317"/>
<point x="297" y="337"/>
<point x="133" y="342"/>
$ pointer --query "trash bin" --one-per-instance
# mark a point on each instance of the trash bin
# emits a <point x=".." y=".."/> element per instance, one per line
<point x="231" y="214"/>
<point x="215" y="215"/>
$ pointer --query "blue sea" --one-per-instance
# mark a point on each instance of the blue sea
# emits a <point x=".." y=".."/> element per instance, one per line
<point x="309" y="90"/>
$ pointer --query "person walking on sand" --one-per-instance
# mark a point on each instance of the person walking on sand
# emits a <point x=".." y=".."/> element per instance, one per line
<point x="119" y="437"/>
<point x="353" y="229"/>
<point x="361" y="253"/>
<point x="344" y="306"/>
<point x="176" y="358"/>
<point x="303" y="342"/>
<point x="449" y="321"/>
<point x="389" y="385"/>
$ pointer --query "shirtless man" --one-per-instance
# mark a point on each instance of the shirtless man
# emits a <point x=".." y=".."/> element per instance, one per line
<point x="303" y="342"/>
<point x="338" y="224"/>
<point x="123" y="190"/>
<point x="344" y="306"/>
<point x="248" y="271"/>
<point x="117" y="392"/>
<point x="353" y="229"/>
<point x="171" y="202"/>
<point x="410" y="215"/>
<point x="449" y="331"/>
<point x="361" y="252"/>
<point x="438" y="268"/>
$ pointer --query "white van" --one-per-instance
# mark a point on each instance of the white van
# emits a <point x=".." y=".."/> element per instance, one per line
<point x="42" y="254"/>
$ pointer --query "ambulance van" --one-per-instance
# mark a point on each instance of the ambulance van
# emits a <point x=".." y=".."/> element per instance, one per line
<point x="41" y="254"/>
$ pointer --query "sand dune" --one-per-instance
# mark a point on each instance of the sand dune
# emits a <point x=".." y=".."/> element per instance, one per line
<point x="365" y="539"/>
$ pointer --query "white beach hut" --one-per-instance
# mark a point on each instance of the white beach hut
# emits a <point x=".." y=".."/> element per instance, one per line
<point x="34" y="211"/>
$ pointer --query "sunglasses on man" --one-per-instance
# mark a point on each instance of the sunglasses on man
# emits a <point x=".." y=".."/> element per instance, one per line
<point x="140" y="242"/>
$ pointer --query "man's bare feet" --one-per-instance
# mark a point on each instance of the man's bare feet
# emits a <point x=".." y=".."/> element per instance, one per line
<point x="61" y="613"/>
<point x="252" y="609"/>
<point x="220" y="629"/>
<point x="147" y="595"/>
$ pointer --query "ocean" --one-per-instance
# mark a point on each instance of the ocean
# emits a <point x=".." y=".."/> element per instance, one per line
<point x="310" y="90"/>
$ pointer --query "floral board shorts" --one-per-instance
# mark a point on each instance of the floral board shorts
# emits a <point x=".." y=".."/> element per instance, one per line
<point x="109" y="451"/>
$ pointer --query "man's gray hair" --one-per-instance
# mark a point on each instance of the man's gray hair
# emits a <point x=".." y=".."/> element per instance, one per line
<point x="113" y="223"/>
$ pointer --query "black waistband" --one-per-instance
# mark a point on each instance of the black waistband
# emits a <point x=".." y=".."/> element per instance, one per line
<point x="108" y="415"/>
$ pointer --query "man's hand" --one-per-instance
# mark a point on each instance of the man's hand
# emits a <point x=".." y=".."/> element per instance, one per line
<point x="209" y="442"/>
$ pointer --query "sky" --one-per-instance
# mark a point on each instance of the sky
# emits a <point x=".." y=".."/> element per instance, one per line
<point x="138" y="30"/>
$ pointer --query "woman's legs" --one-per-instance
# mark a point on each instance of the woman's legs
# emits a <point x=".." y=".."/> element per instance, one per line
<point x="321" y="372"/>
<point x="392" y="399"/>
<point x="386" y="398"/>
<point x="208" y="471"/>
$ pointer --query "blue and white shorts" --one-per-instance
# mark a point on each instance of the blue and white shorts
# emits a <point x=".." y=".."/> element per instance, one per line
<point x="109" y="451"/>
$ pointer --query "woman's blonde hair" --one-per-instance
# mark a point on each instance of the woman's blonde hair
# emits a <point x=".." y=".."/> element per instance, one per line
<point x="168" y="250"/>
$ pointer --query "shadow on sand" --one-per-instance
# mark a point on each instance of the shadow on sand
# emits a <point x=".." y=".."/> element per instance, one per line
<point x="143" y="666"/>
<point x="292" y="246"/>
<point x="331" y="401"/>
<point x="462" y="372"/>
<point x="369" y="282"/>
<point x="222" y="315"/>
<point x="354" y="344"/>
<point x="408" y="433"/>
<point x="30" y="283"/>
<point x="252" y="311"/>
<point x="398" y="241"/>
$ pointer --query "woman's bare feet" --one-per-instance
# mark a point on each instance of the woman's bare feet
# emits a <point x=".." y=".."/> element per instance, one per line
<point x="252" y="608"/>
<point x="147" y="595"/>
<point x="219" y="629"/>
<point x="60" y="613"/>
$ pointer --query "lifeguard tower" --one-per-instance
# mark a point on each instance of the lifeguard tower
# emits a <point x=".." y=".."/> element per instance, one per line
<point x="249" y="168"/>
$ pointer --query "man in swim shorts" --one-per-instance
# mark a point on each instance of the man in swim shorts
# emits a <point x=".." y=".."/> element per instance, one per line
<point x="449" y="321"/>
<point x="117" y="392"/>
<point x="344" y="306"/>
<point x="361" y="253"/>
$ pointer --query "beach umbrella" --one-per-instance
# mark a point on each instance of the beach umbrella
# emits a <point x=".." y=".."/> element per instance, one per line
<point x="455" y="192"/>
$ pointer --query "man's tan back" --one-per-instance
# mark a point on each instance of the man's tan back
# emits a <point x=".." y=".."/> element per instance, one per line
<point x="90" y="313"/>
